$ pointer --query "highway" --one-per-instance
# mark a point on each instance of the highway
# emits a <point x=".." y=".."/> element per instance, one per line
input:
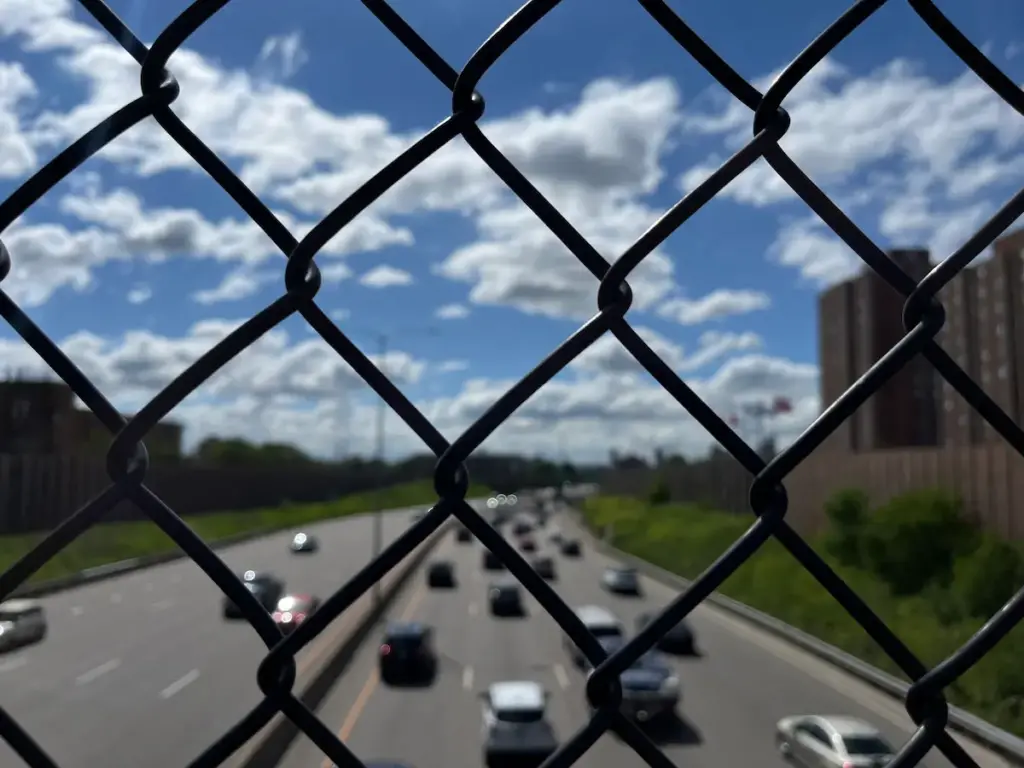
<point x="143" y="670"/>
<point x="733" y="694"/>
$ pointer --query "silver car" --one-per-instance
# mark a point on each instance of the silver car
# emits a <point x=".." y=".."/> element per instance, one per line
<point x="832" y="741"/>
<point x="622" y="580"/>
<point x="22" y="622"/>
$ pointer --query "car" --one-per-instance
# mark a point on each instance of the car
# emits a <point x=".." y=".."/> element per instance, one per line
<point x="521" y="528"/>
<point x="621" y="580"/>
<point x="600" y="622"/>
<point x="527" y="544"/>
<point x="571" y="548"/>
<point x="292" y="610"/>
<point x="22" y="622"/>
<point x="441" y="573"/>
<point x="516" y="728"/>
<point x="545" y="567"/>
<point x="463" y="534"/>
<point x="678" y="640"/>
<point x="650" y="688"/>
<point x="492" y="562"/>
<point x="832" y="741"/>
<point x="266" y="588"/>
<point x="506" y="598"/>
<point x="556" y="537"/>
<point x="407" y="653"/>
<point x="303" y="543"/>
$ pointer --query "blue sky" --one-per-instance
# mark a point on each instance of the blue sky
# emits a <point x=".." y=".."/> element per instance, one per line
<point x="597" y="105"/>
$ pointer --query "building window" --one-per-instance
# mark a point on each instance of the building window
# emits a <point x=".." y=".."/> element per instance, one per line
<point x="999" y="329"/>
<point x="962" y="420"/>
<point x="1002" y="372"/>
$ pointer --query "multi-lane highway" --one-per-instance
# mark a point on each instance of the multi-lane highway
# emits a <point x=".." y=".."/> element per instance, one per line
<point x="143" y="670"/>
<point x="733" y="694"/>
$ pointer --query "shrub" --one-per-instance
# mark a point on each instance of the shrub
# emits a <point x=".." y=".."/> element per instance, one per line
<point x="988" y="577"/>
<point x="915" y="539"/>
<point x="660" y="493"/>
<point x="847" y="513"/>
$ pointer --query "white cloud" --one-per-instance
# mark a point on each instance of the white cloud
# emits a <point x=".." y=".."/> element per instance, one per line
<point x="384" y="276"/>
<point x="714" y="306"/>
<point x="453" y="366"/>
<point x="282" y="55"/>
<point x="607" y="355"/>
<point x="235" y="286"/>
<point x="140" y="294"/>
<point x="451" y="312"/>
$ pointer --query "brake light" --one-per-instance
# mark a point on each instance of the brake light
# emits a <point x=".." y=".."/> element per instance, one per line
<point x="277" y="615"/>
<point x="385" y="649"/>
<point x="299" y="617"/>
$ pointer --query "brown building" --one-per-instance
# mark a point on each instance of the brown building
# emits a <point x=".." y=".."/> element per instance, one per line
<point x="39" y="417"/>
<point x="984" y="334"/>
<point x="859" y="321"/>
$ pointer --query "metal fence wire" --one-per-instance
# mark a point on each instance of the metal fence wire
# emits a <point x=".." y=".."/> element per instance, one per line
<point x="127" y="460"/>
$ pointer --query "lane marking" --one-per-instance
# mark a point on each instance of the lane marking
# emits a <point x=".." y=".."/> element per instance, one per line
<point x="183" y="681"/>
<point x="467" y="678"/>
<point x="561" y="676"/>
<point x="474" y="609"/>
<point x="115" y="598"/>
<point x="160" y="605"/>
<point x="359" y="705"/>
<point x="77" y="610"/>
<point x="12" y="664"/>
<point x="96" y="672"/>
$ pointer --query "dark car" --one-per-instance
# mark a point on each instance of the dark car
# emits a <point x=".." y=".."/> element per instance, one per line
<point x="463" y="534"/>
<point x="517" y="731"/>
<point x="266" y="588"/>
<point x="303" y="543"/>
<point x="506" y="599"/>
<point x="621" y="580"/>
<point x="527" y="544"/>
<point x="650" y="688"/>
<point x="292" y="610"/>
<point x="492" y="562"/>
<point x="570" y="547"/>
<point x="441" y="573"/>
<point x="407" y="654"/>
<point x="521" y="528"/>
<point x="545" y="567"/>
<point x="678" y="640"/>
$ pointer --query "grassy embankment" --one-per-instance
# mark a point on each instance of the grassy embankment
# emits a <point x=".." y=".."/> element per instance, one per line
<point x="110" y="542"/>
<point x="933" y="621"/>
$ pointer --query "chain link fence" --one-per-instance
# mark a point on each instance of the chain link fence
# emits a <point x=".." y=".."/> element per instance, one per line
<point x="127" y="460"/>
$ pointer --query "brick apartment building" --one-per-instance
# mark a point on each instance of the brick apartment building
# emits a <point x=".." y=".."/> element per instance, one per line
<point x="39" y="417"/>
<point x="861" y="319"/>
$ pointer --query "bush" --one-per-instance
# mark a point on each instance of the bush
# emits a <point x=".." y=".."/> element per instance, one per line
<point x="987" y="578"/>
<point x="847" y="514"/>
<point x="915" y="539"/>
<point x="660" y="493"/>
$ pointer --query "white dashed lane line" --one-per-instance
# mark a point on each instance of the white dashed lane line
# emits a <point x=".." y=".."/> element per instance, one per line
<point x="162" y="605"/>
<point x="561" y="676"/>
<point x="116" y="597"/>
<point x="97" y="672"/>
<point x="77" y="610"/>
<point x="467" y="678"/>
<point x="178" y="685"/>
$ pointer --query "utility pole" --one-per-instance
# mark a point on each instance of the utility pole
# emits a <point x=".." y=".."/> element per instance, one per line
<point x="382" y="416"/>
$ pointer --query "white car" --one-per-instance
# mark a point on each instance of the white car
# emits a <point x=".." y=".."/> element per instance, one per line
<point x="621" y="580"/>
<point x="516" y="728"/>
<point x="22" y="622"/>
<point x="832" y="741"/>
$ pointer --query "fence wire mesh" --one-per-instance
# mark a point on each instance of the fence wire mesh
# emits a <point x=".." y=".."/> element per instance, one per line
<point x="127" y="460"/>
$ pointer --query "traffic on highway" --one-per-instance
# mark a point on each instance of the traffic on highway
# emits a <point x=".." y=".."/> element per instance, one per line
<point x="468" y="671"/>
<point x="150" y="668"/>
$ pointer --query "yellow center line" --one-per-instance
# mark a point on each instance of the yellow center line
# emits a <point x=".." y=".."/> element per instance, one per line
<point x="359" y="705"/>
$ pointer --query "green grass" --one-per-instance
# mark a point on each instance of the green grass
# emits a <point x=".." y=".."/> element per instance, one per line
<point x="108" y="543"/>
<point x="687" y="539"/>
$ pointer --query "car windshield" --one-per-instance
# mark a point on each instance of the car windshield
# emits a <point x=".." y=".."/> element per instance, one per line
<point x="406" y="642"/>
<point x="866" y="745"/>
<point x="520" y="715"/>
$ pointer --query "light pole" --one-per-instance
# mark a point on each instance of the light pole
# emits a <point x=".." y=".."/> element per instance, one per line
<point x="380" y="446"/>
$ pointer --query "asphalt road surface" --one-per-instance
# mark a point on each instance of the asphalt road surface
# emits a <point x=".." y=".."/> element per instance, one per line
<point x="142" y="670"/>
<point x="733" y="694"/>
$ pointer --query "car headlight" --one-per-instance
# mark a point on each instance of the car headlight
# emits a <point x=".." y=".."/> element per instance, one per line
<point x="670" y="684"/>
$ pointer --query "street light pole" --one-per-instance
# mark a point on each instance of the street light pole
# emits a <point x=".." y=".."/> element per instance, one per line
<point x="382" y="415"/>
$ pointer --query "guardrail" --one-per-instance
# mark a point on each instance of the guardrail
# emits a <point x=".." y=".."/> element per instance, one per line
<point x="1003" y="743"/>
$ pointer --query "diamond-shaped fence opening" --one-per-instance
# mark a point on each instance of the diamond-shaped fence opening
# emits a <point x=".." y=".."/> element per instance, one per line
<point x="128" y="461"/>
